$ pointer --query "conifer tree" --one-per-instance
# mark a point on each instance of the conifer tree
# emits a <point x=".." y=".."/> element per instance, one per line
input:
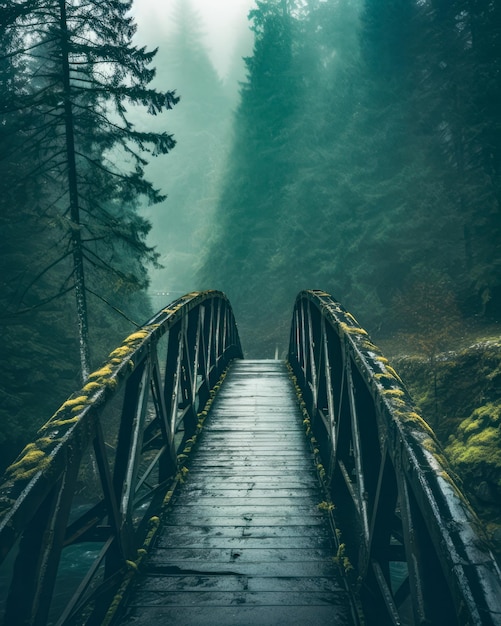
<point x="83" y="71"/>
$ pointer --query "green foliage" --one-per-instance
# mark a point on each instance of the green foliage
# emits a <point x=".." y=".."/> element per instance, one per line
<point x="428" y="312"/>
<point x="466" y="416"/>
<point x="465" y="380"/>
<point x="478" y="438"/>
<point x="366" y="162"/>
<point x="37" y="229"/>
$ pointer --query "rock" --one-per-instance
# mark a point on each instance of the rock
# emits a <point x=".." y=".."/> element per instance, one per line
<point x="484" y="493"/>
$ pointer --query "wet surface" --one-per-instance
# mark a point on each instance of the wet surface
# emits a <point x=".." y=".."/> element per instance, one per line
<point x="244" y="541"/>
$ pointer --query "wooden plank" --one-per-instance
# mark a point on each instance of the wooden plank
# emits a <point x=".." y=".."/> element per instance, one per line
<point x="239" y="583"/>
<point x="243" y="532"/>
<point x="244" y="541"/>
<point x="259" y="492"/>
<point x="252" y="520"/>
<point x="240" y="615"/>
<point x="216" y="599"/>
<point x="197" y="540"/>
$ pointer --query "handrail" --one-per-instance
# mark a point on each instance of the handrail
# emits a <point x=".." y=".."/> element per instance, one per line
<point x="418" y="549"/>
<point x="132" y="466"/>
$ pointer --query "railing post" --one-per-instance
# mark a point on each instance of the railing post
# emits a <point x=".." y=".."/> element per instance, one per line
<point x="172" y="374"/>
<point x="126" y="462"/>
<point x="204" y="356"/>
<point x="312" y="373"/>
<point x="357" y="452"/>
<point x="329" y="393"/>
<point x="168" y="461"/>
<point x="35" y="570"/>
<point x="190" y="368"/>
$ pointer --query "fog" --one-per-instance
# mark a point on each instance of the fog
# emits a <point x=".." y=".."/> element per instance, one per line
<point x="205" y="67"/>
<point x="327" y="180"/>
<point x="225" y="22"/>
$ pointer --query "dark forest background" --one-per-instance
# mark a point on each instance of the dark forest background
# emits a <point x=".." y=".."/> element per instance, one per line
<point x="366" y="162"/>
<point x="361" y="156"/>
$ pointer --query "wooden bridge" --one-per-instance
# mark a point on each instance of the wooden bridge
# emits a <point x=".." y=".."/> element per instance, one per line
<point x="187" y="485"/>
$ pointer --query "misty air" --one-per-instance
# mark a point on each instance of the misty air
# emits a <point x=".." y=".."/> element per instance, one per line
<point x="250" y="312"/>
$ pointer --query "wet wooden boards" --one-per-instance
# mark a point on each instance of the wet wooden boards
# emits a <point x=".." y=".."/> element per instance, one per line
<point x="244" y="542"/>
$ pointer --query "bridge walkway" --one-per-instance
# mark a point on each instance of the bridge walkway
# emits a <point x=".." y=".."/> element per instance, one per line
<point x="244" y="541"/>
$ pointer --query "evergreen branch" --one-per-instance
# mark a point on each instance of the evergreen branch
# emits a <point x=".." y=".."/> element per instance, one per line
<point x="100" y="166"/>
<point x="40" y="304"/>
<point x="39" y="169"/>
<point x="19" y="51"/>
<point x="92" y="239"/>
<point x="45" y="129"/>
<point x="31" y="101"/>
<point x="117" y="310"/>
<point x="11" y="12"/>
<point x="99" y="263"/>
<point x="42" y="273"/>
<point x="103" y="117"/>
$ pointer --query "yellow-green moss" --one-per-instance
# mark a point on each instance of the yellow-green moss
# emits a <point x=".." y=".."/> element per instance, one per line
<point x="140" y="334"/>
<point x="74" y="401"/>
<point x="326" y="506"/>
<point x="33" y="460"/>
<point x="132" y="568"/>
<point x="342" y="560"/>
<point x="43" y="442"/>
<point x="31" y="454"/>
<point x="63" y="422"/>
<point x="168" y="497"/>
<point x="389" y="373"/>
<point x="352" y="318"/>
<point x="103" y="377"/>
<point x="154" y="524"/>
<point x="120" y="353"/>
<point x="413" y="417"/>
<point x="104" y="372"/>
<point x="91" y="387"/>
<point x="27" y="473"/>
<point x="395" y="393"/>
<point x="381" y="375"/>
<point x="478" y="439"/>
<point x="390" y="369"/>
<point x="352" y="330"/>
<point x="171" y="310"/>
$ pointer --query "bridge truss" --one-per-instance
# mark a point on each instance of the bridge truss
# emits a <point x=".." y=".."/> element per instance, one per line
<point x="416" y="546"/>
<point x="121" y="434"/>
<point x="417" y="550"/>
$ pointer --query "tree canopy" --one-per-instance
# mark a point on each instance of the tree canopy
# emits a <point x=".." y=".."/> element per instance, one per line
<point x="365" y="161"/>
<point x="72" y="177"/>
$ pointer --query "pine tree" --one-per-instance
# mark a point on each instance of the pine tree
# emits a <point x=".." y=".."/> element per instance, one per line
<point x="242" y="246"/>
<point x="84" y="71"/>
<point x="38" y="231"/>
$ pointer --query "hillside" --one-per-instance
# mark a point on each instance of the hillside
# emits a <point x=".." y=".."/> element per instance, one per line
<point x="459" y="394"/>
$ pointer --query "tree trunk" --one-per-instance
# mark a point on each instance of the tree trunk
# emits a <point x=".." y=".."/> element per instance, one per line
<point x="76" y="239"/>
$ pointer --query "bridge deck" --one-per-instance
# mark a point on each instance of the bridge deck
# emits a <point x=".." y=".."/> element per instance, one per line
<point x="244" y="541"/>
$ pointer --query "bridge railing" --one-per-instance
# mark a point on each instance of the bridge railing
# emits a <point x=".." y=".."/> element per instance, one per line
<point x="99" y="469"/>
<point x="417" y="547"/>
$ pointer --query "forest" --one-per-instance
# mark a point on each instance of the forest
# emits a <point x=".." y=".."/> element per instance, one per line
<point x="361" y="156"/>
<point x="366" y="162"/>
<point x="73" y="251"/>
